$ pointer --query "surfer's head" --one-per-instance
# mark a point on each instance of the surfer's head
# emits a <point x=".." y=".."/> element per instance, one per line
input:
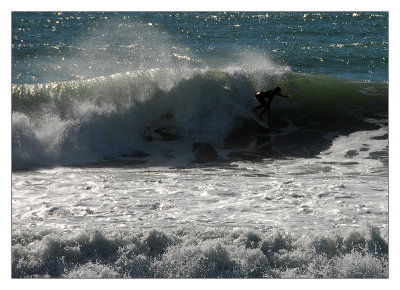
<point x="277" y="90"/>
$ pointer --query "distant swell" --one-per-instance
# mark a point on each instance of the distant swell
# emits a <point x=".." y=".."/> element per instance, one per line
<point x="80" y="122"/>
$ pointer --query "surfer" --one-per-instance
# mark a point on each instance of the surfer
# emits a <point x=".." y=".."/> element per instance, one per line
<point x="261" y="96"/>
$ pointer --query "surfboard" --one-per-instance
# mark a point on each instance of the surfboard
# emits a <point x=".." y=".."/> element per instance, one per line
<point x="260" y="121"/>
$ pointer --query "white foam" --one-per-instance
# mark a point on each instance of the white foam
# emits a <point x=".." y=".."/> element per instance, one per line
<point x="110" y="116"/>
<point x="357" y="147"/>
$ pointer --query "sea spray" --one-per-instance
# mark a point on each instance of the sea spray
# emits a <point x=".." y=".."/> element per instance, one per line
<point x="109" y="116"/>
<point x="78" y="122"/>
<point x="192" y="254"/>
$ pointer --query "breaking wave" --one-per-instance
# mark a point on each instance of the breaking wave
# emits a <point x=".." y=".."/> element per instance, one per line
<point x="79" y="122"/>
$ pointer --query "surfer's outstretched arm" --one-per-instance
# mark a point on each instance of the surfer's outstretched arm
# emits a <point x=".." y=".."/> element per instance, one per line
<point x="287" y="96"/>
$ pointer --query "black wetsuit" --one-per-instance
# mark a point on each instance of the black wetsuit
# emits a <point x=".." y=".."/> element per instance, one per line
<point x="264" y="95"/>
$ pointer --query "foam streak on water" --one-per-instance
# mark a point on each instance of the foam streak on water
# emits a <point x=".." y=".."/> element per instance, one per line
<point x="331" y="190"/>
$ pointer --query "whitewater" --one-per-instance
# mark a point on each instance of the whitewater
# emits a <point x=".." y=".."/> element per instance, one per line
<point x="134" y="153"/>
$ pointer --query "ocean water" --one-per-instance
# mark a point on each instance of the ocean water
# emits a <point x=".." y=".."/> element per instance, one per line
<point x="135" y="155"/>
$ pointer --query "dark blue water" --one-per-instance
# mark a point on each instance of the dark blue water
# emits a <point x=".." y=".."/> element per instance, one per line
<point x="72" y="46"/>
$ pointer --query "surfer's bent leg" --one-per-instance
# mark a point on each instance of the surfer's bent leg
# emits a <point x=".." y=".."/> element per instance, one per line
<point x="258" y="107"/>
<point x="267" y="109"/>
<point x="263" y="112"/>
<point x="262" y="102"/>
